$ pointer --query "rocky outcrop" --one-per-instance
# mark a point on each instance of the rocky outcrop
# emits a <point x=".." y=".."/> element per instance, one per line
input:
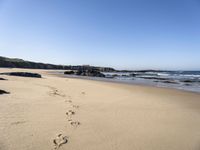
<point x="82" y="72"/>
<point x="90" y="73"/>
<point x="23" y="74"/>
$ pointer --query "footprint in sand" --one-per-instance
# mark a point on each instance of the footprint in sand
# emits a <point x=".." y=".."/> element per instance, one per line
<point x="59" y="141"/>
<point x="75" y="106"/>
<point x="18" y="122"/>
<point x="55" y="92"/>
<point x="70" y="113"/>
<point x="74" y="123"/>
<point x="70" y="120"/>
<point x="83" y="93"/>
<point x="69" y="101"/>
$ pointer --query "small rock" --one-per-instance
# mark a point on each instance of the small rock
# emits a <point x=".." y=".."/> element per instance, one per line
<point x="2" y="79"/>
<point x="69" y="72"/>
<point x="4" y="92"/>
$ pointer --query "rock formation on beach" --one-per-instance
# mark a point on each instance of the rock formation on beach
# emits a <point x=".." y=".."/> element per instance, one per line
<point x="92" y="73"/>
<point x="69" y="72"/>
<point x="86" y="72"/>
<point x="23" y="74"/>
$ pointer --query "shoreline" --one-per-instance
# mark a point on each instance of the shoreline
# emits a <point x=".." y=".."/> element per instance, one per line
<point x="107" y="80"/>
<point x="58" y="74"/>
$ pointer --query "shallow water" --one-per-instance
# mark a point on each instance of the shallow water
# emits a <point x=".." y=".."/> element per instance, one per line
<point x="182" y="80"/>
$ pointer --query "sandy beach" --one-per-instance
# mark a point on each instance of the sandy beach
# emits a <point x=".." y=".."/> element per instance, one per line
<point x="74" y="114"/>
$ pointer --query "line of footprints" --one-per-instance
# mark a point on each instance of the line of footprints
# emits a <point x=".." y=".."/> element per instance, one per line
<point x="60" y="138"/>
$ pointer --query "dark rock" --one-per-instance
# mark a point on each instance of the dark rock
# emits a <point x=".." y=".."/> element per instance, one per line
<point x="115" y="75"/>
<point x="188" y="81"/>
<point x="4" y="92"/>
<point x="90" y="73"/>
<point x="167" y="81"/>
<point x="2" y="79"/>
<point x="171" y="82"/>
<point x="69" y="72"/>
<point x="23" y="74"/>
<point x="154" y="78"/>
<point x="133" y="74"/>
<point x="125" y="75"/>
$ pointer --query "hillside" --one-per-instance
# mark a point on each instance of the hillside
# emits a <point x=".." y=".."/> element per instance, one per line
<point x="20" y="63"/>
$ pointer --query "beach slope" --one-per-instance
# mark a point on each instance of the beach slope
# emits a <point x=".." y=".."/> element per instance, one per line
<point x="74" y="114"/>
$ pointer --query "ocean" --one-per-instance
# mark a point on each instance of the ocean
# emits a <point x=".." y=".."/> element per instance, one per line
<point x="183" y="80"/>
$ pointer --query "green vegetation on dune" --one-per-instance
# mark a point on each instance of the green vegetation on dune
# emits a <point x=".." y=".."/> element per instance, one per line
<point x="19" y="63"/>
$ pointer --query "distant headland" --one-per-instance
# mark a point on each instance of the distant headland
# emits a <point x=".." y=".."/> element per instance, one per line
<point x="20" y="63"/>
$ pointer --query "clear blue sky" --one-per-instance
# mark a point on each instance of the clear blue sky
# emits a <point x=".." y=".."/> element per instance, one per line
<point x="125" y="34"/>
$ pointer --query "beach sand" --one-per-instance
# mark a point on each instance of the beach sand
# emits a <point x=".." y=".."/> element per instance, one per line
<point x="75" y="114"/>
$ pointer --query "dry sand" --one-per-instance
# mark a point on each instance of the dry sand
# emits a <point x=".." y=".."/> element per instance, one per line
<point x="74" y="114"/>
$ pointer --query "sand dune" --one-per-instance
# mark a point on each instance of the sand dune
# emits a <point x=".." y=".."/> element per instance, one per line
<point x="73" y="114"/>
